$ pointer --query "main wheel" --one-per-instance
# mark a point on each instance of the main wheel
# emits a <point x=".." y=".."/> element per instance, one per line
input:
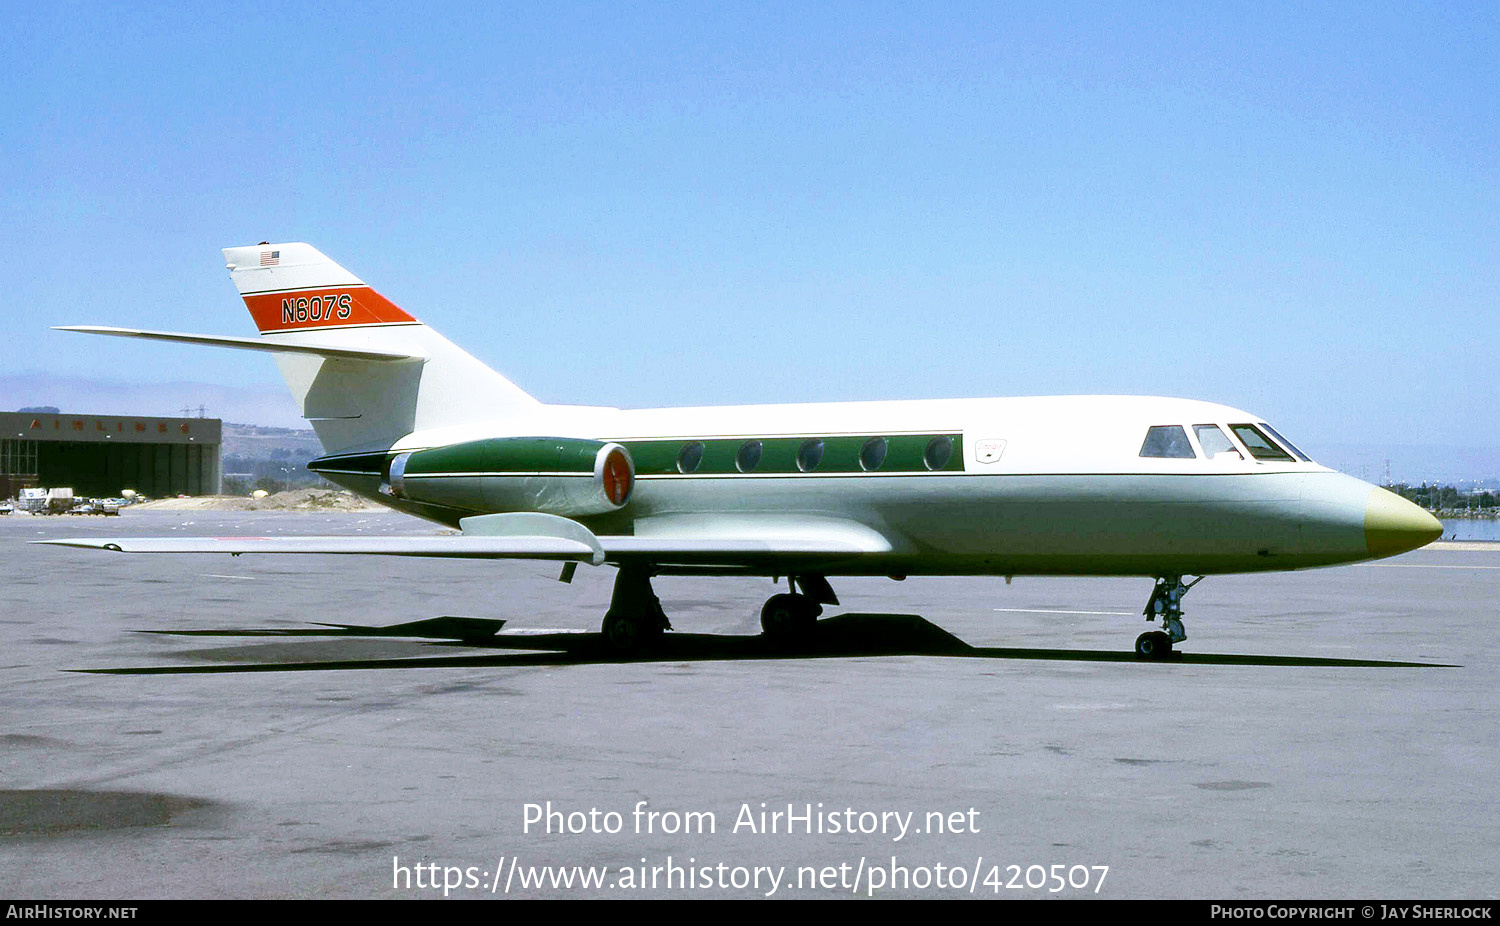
<point x="1153" y="644"/>
<point x="630" y="633"/>
<point x="784" y="616"/>
<point x="621" y="633"/>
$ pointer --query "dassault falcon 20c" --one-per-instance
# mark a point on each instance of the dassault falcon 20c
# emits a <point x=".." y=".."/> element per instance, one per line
<point x="1061" y="485"/>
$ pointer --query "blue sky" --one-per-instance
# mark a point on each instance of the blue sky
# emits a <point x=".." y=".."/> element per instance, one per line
<point x="1293" y="209"/>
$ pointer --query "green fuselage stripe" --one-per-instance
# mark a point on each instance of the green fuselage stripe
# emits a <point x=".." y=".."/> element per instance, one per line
<point x="905" y="454"/>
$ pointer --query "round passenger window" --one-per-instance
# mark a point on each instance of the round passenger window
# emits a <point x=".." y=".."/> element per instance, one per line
<point x="872" y="454"/>
<point x="690" y="458"/>
<point x="939" y="452"/>
<point x="809" y="455"/>
<point x="749" y="456"/>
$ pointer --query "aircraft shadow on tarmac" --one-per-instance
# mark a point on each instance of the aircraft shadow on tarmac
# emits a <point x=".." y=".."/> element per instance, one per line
<point x="843" y="636"/>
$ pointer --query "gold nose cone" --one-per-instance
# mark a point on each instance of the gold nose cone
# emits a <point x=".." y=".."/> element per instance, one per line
<point x="1394" y="525"/>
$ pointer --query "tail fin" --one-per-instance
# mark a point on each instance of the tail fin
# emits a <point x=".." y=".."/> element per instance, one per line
<point x="296" y="295"/>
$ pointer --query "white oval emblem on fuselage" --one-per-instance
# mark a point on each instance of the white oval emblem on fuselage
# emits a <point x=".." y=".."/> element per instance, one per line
<point x="988" y="450"/>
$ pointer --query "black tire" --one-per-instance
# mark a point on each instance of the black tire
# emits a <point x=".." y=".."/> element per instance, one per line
<point x="788" y="616"/>
<point x="626" y="634"/>
<point x="1153" y="644"/>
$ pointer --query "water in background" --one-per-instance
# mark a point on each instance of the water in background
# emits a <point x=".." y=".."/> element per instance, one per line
<point x="1471" y="529"/>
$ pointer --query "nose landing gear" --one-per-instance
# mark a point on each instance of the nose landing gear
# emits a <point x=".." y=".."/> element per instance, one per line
<point x="1166" y="602"/>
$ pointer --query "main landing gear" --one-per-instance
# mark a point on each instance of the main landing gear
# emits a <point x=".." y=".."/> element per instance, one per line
<point x="792" y="614"/>
<point x="635" y="619"/>
<point x="1166" y="602"/>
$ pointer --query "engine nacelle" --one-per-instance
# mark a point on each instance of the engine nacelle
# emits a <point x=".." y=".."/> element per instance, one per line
<point x="564" y="476"/>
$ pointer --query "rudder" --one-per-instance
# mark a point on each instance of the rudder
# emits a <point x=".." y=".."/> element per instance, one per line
<point x="297" y="294"/>
<point x="295" y="287"/>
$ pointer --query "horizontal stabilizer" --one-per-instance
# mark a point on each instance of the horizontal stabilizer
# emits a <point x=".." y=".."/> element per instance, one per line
<point x="261" y="344"/>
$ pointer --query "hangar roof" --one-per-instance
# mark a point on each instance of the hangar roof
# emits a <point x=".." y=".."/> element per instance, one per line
<point x="134" y="429"/>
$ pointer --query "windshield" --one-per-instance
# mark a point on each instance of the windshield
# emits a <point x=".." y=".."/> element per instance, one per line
<point x="1214" y="441"/>
<point x="1286" y="443"/>
<point x="1260" y="446"/>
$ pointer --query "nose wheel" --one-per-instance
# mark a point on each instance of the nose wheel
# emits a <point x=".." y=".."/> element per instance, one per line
<point x="1166" y="603"/>
<point x="1153" y="644"/>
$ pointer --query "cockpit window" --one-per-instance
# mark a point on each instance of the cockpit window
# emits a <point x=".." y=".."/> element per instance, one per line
<point x="1167" y="440"/>
<point x="1260" y="446"/>
<point x="1214" y="441"/>
<point x="1285" y="443"/>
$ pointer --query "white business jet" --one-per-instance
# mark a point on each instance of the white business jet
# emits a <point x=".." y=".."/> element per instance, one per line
<point x="1058" y="485"/>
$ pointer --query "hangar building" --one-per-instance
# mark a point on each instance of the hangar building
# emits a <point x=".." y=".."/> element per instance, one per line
<point x="99" y="455"/>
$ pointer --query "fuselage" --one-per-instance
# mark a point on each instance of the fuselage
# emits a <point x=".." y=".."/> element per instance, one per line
<point x="1064" y="485"/>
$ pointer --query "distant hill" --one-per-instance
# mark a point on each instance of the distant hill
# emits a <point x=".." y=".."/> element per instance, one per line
<point x="98" y="396"/>
<point x="266" y="443"/>
<point x="263" y="457"/>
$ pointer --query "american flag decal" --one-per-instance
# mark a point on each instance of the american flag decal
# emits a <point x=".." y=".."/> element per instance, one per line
<point x="270" y="258"/>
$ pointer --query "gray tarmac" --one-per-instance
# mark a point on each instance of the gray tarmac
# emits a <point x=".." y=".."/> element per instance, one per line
<point x="1294" y="751"/>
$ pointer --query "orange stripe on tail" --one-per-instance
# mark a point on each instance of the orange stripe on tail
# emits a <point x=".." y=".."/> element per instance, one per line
<point x="334" y="307"/>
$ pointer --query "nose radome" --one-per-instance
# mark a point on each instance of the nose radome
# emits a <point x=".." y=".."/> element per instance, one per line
<point x="1394" y="525"/>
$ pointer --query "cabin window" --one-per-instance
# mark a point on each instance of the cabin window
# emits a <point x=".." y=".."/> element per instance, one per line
<point x="1214" y="441"/>
<point x="1285" y="443"/>
<point x="809" y="455"/>
<point x="1167" y="440"/>
<point x="749" y="456"/>
<point x="1260" y="446"/>
<point x="939" y="451"/>
<point x="690" y="458"/>
<point x="872" y="454"/>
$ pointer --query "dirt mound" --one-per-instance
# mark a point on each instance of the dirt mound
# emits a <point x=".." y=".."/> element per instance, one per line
<point x="295" y="500"/>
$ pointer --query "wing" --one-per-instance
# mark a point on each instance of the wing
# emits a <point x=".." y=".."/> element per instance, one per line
<point x="461" y="547"/>
<point x="735" y="543"/>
